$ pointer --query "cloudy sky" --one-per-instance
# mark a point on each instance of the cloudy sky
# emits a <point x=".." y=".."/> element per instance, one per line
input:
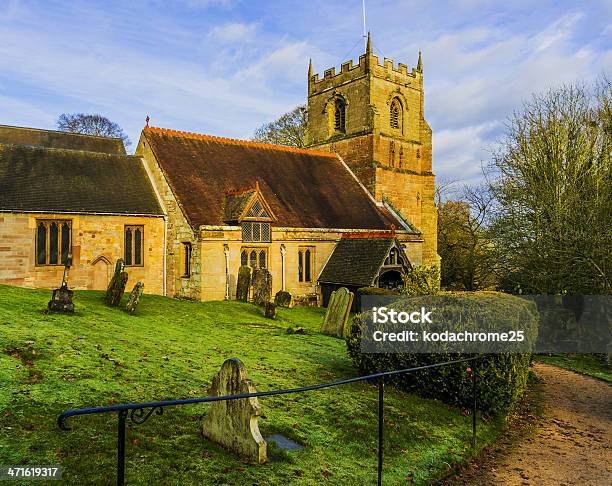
<point x="224" y="67"/>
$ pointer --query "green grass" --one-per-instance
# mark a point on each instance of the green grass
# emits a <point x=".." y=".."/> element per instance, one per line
<point x="586" y="364"/>
<point x="171" y="349"/>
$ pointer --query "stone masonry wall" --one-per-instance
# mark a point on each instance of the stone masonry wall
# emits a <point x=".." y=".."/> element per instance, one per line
<point x="178" y="232"/>
<point x="97" y="243"/>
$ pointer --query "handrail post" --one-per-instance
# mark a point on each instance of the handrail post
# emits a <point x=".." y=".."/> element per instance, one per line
<point x="121" y="447"/>
<point x="381" y="397"/>
<point x="474" y="404"/>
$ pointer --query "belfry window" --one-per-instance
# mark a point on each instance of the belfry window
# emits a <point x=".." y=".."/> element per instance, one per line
<point x="396" y="114"/>
<point x="340" y="115"/>
<point x="53" y="242"/>
<point x="134" y="245"/>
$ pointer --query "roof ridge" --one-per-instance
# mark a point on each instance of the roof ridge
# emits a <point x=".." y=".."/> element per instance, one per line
<point x="63" y="149"/>
<point x="386" y="234"/>
<point x="237" y="141"/>
<point x="60" y="131"/>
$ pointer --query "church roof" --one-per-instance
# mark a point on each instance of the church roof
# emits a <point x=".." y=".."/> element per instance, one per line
<point x="36" y="137"/>
<point x="356" y="261"/>
<point x="71" y="181"/>
<point x="304" y="188"/>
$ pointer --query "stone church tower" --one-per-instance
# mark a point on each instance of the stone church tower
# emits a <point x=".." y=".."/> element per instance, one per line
<point x="372" y="116"/>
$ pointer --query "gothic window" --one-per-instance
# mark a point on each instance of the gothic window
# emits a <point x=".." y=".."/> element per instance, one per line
<point x="187" y="250"/>
<point x="53" y="242"/>
<point x="339" y="115"/>
<point x="305" y="264"/>
<point x="134" y="245"/>
<point x="256" y="232"/>
<point x="396" y="114"/>
<point x="256" y="258"/>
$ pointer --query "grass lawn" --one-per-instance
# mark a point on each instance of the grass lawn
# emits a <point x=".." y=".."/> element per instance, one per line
<point x="171" y="349"/>
<point x="586" y="364"/>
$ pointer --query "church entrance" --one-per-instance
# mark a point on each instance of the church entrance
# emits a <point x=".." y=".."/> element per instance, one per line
<point x="390" y="279"/>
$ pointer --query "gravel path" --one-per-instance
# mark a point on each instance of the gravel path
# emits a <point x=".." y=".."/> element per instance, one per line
<point x="572" y="445"/>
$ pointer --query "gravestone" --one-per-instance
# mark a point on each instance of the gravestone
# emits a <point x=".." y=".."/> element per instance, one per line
<point x="338" y="310"/>
<point x="262" y="286"/>
<point x="270" y="312"/>
<point x="134" y="298"/>
<point x="116" y="286"/>
<point x="234" y="423"/>
<point x="61" y="301"/>
<point x="244" y="283"/>
<point x="282" y="298"/>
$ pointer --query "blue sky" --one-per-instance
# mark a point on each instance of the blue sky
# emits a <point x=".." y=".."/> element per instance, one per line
<point x="224" y="67"/>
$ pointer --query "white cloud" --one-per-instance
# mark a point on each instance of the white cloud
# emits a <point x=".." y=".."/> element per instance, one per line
<point x="560" y="30"/>
<point x="233" y="32"/>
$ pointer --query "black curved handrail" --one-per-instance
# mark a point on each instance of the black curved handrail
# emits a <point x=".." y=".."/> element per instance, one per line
<point x="139" y="413"/>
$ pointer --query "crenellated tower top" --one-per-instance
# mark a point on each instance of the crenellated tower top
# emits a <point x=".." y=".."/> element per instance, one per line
<point x="368" y="64"/>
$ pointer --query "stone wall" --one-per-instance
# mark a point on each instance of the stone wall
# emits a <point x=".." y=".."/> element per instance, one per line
<point x="179" y="231"/>
<point x="97" y="243"/>
<point x="289" y="241"/>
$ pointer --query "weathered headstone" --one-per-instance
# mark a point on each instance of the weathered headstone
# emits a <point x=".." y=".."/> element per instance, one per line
<point x="338" y="310"/>
<point x="134" y="298"/>
<point x="61" y="301"/>
<point x="244" y="283"/>
<point x="270" y="312"/>
<point x="116" y="286"/>
<point x="234" y="423"/>
<point x="282" y="298"/>
<point x="262" y="286"/>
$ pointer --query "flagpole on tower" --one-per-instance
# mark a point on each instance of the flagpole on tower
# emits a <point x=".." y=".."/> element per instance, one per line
<point x="365" y="36"/>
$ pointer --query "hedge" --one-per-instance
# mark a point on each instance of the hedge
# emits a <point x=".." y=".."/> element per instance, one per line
<point x="501" y="378"/>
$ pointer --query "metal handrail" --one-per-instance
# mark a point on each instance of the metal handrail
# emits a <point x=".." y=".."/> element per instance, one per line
<point x="141" y="412"/>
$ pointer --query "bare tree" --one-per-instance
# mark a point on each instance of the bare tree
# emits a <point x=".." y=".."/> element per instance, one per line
<point x="464" y="246"/>
<point x="289" y="129"/>
<point x="91" y="124"/>
<point x="552" y="183"/>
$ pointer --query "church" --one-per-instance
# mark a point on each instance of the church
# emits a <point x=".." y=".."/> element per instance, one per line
<point x="187" y="210"/>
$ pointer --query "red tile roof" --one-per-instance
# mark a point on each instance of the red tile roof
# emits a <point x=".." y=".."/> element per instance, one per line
<point x="304" y="188"/>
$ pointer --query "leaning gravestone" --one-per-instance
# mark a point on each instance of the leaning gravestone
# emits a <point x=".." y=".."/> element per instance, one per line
<point x="270" y="311"/>
<point x="282" y="299"/>
<point x="134" y="298"/>
<point x="338" y="310"/>
<point x="116" y="287"/>
<point x="234" y="423"/>
<point x="262" y="286"/>
<point x="244" y="282"/>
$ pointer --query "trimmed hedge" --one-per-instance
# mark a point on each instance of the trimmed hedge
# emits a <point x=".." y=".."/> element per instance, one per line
<point x="501" y="377"/>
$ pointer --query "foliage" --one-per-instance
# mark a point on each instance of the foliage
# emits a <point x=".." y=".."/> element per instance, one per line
<point x="501" y="377"/>
<point x="464" y="246"/>
<point x="289" y="129"/>
<point x="91" y="124"/>
<point x="551" y="179"/>
<point x="587" y="364"/>
<point x="422" y="280"/>
<point x="376" y="291"/>
<point x="171" y="349"/>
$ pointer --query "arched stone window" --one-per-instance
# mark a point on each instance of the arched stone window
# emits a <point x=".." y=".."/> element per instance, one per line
<point x="339" y="115"/>
<point x="395" y="114"/>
